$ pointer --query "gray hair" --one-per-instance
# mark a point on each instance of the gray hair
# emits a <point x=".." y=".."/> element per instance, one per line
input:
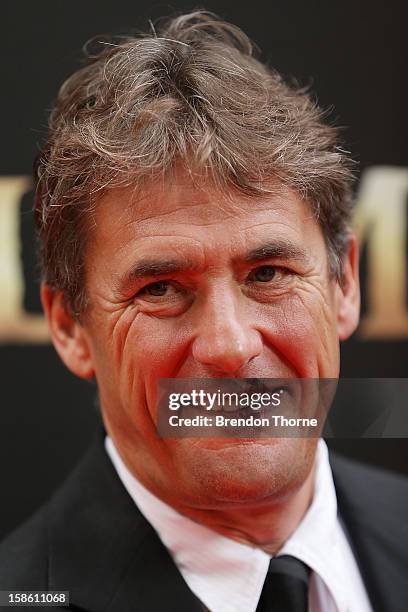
<point x="191" y="92"/>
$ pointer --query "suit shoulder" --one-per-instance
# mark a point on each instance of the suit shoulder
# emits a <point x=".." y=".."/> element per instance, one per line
<point x="369" y="477"/>
<point x="24" y="557"/>
<point x="372" y="488"/>
<point x="373" y="507"/>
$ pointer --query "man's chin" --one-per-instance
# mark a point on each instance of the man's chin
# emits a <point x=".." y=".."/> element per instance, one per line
<point x="237" y="471"/>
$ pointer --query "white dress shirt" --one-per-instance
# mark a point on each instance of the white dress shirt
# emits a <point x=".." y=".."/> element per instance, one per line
<point x="228" y="576"/>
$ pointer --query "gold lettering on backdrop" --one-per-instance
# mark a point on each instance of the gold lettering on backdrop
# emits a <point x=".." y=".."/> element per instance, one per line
<point x="16" y="325"/>
<point x="380" y="221"/>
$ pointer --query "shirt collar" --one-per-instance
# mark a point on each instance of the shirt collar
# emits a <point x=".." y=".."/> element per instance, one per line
<point x="225" y="574"/>
<point x="316" y="541"/>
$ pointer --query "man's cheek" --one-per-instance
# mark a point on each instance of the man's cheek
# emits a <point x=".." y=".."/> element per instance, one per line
<point x="148" y="350"/>
<point x="121" y="327"/>
<point x="161" y="345"/>
<point x="314" y="302"/>
<point x="316" y="310"/>
<point x="297" y="330"/>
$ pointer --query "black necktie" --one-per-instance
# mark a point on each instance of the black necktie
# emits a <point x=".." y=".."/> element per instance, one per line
<point x="286" y="586"/>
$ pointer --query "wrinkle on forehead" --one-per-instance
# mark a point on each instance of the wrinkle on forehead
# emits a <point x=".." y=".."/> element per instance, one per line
<point x="171" y="197"/>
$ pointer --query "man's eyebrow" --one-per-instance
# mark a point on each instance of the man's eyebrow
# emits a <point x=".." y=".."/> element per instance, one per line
<point x="149" y="268"/>
<point x="279" y="249"/>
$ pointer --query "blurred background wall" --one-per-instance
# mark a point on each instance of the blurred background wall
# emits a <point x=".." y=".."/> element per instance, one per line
<point x="354" y="56"/>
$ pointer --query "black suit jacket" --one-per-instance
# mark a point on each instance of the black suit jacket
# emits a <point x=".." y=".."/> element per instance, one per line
<point x="91" y="540"/>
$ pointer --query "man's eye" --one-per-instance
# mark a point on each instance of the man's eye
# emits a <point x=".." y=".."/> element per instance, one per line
<point x="263" y="274"/>
<point x="164" y="297"/>
<point x="157" y="289"/>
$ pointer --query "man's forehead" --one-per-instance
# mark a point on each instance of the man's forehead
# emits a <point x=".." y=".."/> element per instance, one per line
<point x="183" y="201"/>
<point x="177" y="226"/>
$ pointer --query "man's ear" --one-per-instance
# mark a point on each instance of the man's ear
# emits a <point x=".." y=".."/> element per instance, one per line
<point x="68" y="335"/>
<point x="348" y="292"/>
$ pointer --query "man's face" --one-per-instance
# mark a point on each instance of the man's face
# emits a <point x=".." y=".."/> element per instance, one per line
<point x="185" y="284"/>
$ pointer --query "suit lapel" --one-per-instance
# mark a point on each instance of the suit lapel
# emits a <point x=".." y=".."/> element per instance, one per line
<point x="103" y="550"/>
<point x="373" y="507"/>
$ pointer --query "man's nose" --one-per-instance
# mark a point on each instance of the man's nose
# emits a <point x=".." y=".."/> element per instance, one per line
<point x="226" y="340"/>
